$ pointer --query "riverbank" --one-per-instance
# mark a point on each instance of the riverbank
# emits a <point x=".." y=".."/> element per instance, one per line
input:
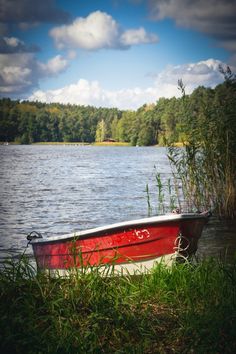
<point x="186" y="309"/>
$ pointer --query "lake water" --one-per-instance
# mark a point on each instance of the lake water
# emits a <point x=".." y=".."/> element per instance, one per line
<point x="57" y="189"/>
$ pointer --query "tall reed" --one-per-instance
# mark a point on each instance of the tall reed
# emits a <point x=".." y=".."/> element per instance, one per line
<point x="148" y="201"/>
<point x="162" y="197"/>
<point x="206" y="165"/>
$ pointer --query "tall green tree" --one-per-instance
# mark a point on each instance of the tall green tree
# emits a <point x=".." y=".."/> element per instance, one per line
<point x="101" y="132"/>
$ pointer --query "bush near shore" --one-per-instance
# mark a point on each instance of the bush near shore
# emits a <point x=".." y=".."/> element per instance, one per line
<point x="184" y="309"/>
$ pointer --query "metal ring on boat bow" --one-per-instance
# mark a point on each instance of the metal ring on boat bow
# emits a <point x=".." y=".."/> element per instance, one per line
<point x="33" y="235"/>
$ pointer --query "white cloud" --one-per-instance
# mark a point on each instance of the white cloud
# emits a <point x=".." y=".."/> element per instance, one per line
<point x="15" y="45"/>
<point x="137" y="36"/>
<point x="20" y="72"/>
<point x="98" y="30"/>
<point x="84" y="92"/>
<point x="16" y="77"/>
<point x="16" y="72"/>
<point x="12" y="41"/>
<point x="205" y="73"/>
<point x="54" y="66"/>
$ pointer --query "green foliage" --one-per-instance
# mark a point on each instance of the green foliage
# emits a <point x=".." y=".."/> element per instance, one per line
<point x="101" y="132"/>
<point x="207" y="164"/>
<point x="159" y="123"/>
<point x="183" y="309"/>
<point x="29" y="122"/>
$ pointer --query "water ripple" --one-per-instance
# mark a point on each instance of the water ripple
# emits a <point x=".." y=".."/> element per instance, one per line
<point x="62" y="189"/>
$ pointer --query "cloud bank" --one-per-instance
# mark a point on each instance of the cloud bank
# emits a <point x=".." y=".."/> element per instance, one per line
<point x="20" y="71"/>
<point x="28" y="12"/>
<point x="85" y="92"/>
<point x="98" y="30"/>
<point x="216" y="18"/>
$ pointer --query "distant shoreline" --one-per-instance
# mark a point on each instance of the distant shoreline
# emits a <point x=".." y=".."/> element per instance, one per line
<point x="79" y="143"/>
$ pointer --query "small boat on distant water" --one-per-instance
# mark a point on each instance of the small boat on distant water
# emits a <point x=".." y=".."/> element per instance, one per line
<point x="127" y="246"/>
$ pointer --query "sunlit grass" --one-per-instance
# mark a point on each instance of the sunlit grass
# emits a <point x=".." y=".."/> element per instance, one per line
<point x="61" y="143"/>
<point x="111" y="143"/>
<point x="183" y="309"/>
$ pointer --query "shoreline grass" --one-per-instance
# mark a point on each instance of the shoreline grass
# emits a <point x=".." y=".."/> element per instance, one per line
<point x="184" y="309"/>
<point x="111" y="143"/>
<point x="60" y="143"/>
<point x="103" y="143"/>
<point x="75" y="143"/>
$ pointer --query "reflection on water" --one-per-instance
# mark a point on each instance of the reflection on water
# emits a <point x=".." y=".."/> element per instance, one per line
<point x="62" y="189"/>
<point x="218" y="239"/>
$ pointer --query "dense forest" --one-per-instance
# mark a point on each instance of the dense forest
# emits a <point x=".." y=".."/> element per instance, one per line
<point x="29" y="122"/>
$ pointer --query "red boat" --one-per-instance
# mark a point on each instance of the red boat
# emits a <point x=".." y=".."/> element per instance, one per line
<point x="126" y="246"/>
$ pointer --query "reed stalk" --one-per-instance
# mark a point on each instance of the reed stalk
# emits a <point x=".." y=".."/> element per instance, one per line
<point x="165" y="195"/>
<point x="160" y="194"/>
<point x="148" y="200"/>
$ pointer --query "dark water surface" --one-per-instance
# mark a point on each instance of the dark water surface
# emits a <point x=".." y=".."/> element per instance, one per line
<point x="61" y="189"/>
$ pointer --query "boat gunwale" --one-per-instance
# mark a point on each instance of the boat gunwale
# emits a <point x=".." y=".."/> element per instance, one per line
<point x="99" y="231"/>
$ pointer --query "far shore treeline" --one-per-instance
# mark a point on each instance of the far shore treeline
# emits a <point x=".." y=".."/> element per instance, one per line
<point x="26" y="122"/>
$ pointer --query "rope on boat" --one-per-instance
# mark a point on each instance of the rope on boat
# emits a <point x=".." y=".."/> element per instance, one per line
<point x="178" y="247"/>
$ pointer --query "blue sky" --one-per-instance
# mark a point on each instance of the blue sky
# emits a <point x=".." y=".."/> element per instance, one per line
<point x="113" y="53"/>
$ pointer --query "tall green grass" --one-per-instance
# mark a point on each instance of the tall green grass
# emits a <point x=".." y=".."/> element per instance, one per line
<point x="183" y="309"/>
